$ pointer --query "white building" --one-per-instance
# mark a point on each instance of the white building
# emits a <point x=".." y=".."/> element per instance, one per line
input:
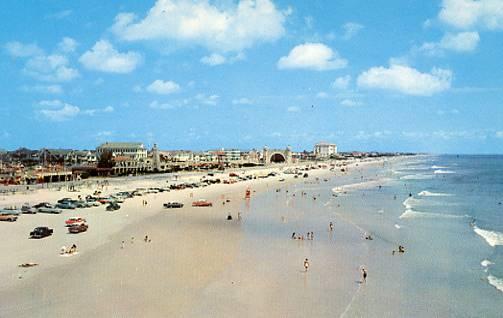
<point x="325" y="150"/>
<point x="134" y="150"/>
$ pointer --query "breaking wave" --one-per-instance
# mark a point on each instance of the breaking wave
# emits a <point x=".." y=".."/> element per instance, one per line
<point x="440" y="171"/>
<point x="486" y="263"/>
<point x="416" y="177"/>
<point x="411" y="214"/>
<point x="433" y="194"/>
<point x="496" y="282"/>
<point x="439" y="167"/>
<point x="492" y="238"/>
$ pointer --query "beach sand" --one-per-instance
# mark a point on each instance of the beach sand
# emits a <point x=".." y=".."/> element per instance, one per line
<point x="197" y="264"/>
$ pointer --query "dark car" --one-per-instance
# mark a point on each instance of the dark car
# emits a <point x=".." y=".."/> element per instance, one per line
<point x="43" y="205"/>
<point x="172" y="205"/>
<point x="113" y="206"/>
<point x="78" y="228"/>
<point x="41" y="232"/>
<point x="65" y="205"/>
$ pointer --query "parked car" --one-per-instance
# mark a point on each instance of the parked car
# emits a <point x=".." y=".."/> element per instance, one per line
<point x="43" y="205"/>
<point x="172" y="205"/>
<point x="8" y="217"/>
<point x="113" y="206"/>
<point x="49" y="210"/>
<point x="41" y="232"/>
<point x="78" y="228"/>
<point x="202" y="203"/>
<point x="75" y="220"/>
<point x="27" y="209"/>
<point x="9" y="211"/>
<point x="65" y="205"/>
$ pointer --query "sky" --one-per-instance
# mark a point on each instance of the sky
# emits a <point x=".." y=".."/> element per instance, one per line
<point x="382" y="75"/>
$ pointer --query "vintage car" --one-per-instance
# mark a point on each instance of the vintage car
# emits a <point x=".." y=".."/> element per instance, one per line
<point x="172" y="205"/>
<point x="49" y="210"/>
<point x="8" y="217"/>
<point x="74" y="221"/>
<point x="43" y="205"/>
<point x="65" y="205"/>
<point x="113" y="206"/>
<point x="27" y="209"/>
<point x="41" y="232"/>
<point x="201" y="203"/>
<point x="78" y="228"/>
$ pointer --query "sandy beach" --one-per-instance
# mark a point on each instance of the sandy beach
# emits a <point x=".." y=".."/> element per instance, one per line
<point x="198" y="264"/>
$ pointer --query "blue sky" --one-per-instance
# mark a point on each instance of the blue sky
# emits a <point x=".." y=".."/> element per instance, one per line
<point x="389" y="75"/>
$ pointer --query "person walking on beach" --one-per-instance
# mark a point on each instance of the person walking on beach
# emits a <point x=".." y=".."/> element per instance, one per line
<point x="331" y="226"/>
<point x="306" y="265"/>
<point x="364" y="275"/>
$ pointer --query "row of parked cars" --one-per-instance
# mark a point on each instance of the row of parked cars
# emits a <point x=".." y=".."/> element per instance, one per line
<point x="75" y="225"/>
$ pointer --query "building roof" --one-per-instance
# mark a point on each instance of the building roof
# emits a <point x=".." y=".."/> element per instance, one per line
<point x="324" y="143"/>
<point x="131" y="145"/>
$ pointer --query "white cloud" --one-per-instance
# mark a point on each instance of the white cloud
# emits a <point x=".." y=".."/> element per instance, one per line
<point x="163" y="87"/>
<point x="57" y="110"/>
<point x="213" y="59"/>
<point x="50" y="68"/>
<point x="45" y="89"/>
<point x="312" y="56"/>
<point x="242" y="101"/>
<point x="207" y="100"/>
<point x="459" y="42"/>
<point x="406" y="80"/>
<point x="293" y="109"/>
<point x="156" y="105"/>
<point x="350" y="103"/>
<point x="220" y="29"/>
<point x="67" y="45"/>
<point x="342" y="82"/>
<point x="321" y="95"/>
<point x="18" y="49"/>
<point x="104" y="57"/>
<point x="499" y="134"/>
<point x="465" y="14"/>
<point x="363" y="135"/>
<point x="351" y="29"/>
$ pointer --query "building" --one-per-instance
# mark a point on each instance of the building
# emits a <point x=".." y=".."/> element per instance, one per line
<point x="324" y="150"/>
<point x="133" y="150"/>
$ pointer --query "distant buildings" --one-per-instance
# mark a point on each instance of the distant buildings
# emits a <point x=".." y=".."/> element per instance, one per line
<point x="325" y="150"/>
<point x="133" y="150"/>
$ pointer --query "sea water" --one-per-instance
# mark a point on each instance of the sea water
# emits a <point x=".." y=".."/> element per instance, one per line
<point x="448" y="213"/>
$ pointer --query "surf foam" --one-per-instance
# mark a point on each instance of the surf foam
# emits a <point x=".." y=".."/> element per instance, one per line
<point x="496" y="282"/>
<point x="440" y="171"/>
<point x="411" y="214"/>
<point x="492" y="238"/>
<point x="433" y="194"/>
<point x="486" y="263"/>
<point x="416" y="177"/>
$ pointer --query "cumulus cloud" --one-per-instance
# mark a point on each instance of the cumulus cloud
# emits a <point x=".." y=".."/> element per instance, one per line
<point x="350" y="103"/>
<point x="351" y="29"/>
<point x="293" y="109"/>
<point x="156" y="105"/>
<point x="207" y="99"/>
<point x="18" y="49"/>
<point x="457" y="42"/>
<point x="163" y="87"/>
<point x="45" y="89"/>
<point x="67" y="45"/>
<point x="57" y="110"/>
<point x="312" y="56"/>
<point x="342" y="83"/>
<point x="465" y="14"/>
<point x="104" y="57"/>
<point x="213" y="59"/>
<point x="242" y="101"/>
<point x="406" y="80"/>
<point x="50" y="68"/>
<point x="499" y="134"/>
<point x="220" y="29"/>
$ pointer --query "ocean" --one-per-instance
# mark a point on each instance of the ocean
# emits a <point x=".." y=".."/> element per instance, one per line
<point x="447" y="211"/>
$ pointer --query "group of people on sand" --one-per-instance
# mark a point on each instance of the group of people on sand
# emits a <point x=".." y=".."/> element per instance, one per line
<point x="401" y="250"/>
<point x="309" y="236"/>
<point x="68" y="251"/>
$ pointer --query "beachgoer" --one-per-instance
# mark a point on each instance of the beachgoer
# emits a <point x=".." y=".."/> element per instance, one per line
<point x="364" y="275"/>
<point x="306" y="265"/>
<point x="312" y="235"/>
<point x="239" y="216"/>
<point x="63" y="250"/>
<point x="146" y="238"/>
<point x="293" y="235"/>
<point x="122" y="244"/>
<point x="331" y="226"/>
<point x="229" y="217"/>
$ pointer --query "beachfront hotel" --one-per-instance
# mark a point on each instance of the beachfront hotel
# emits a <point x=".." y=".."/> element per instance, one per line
<point x="133" y="150"/>
<point x="325" y="150"/>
